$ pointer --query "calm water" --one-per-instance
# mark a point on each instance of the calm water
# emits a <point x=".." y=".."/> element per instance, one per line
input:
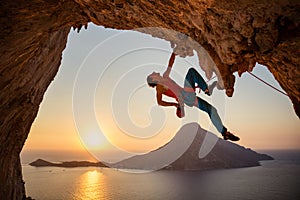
<point x="278" y="179"/>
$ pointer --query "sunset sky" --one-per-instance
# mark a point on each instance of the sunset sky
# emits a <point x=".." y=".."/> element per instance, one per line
<point x="100" y="99"/>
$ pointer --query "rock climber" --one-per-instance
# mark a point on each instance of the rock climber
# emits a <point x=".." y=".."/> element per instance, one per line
<point x="166" y="86"/>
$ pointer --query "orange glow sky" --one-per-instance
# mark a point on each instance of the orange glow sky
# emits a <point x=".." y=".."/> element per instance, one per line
<point x="260" y="116"/>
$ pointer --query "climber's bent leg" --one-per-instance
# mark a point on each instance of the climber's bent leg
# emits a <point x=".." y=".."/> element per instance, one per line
<point x="193" y="77"/>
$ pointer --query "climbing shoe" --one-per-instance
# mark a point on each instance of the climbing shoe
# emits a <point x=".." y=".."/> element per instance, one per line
<point x="210" y="88"/>
<point x="230" y="136"/>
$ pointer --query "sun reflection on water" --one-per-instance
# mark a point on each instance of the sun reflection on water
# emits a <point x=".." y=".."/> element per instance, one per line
<point x="91" y="186"/>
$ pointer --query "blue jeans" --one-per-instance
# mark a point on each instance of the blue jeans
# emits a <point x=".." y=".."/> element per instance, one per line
<point x="189" y="97"/>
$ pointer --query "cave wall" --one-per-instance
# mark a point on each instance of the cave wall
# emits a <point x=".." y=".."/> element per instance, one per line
<point x="33" y="36"/>
<point x="237" y="34"/>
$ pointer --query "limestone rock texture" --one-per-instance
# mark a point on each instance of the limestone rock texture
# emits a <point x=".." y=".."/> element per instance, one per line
<point x="236" y="34"/>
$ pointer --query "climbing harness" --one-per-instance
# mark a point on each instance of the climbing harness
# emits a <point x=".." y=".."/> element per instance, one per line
<point x="267" y="83"/>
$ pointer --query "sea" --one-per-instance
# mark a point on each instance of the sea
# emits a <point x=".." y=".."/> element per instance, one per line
<point x="277" y="179"/>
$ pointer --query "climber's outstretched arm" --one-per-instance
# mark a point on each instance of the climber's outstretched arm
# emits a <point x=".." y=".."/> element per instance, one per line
<point x="170" y="65"/>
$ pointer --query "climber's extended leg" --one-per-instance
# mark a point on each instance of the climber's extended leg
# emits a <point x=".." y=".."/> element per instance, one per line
<point x="215" y="118"/>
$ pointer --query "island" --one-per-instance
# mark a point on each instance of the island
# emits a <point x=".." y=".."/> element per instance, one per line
<point x="68" y="164"/>
<point x="222" y="155"/>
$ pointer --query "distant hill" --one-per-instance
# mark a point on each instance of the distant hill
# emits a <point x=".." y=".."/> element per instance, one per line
<point x="182" y="153"/>
<point x="224" y="154"/>
<point x="44" y="163"/>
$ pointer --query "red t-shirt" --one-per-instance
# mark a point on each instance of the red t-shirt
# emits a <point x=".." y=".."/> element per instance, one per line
<point x="174" y="90"/>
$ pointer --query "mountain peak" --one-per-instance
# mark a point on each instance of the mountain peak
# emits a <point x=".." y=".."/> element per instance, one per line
<point x="194" y="148"/>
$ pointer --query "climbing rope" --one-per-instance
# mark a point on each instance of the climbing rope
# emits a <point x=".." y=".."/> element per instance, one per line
<point x="259" y="80"/>
<point x="267" y="83"/>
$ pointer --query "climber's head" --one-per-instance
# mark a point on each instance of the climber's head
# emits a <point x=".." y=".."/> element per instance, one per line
<point x="153" y="79"/>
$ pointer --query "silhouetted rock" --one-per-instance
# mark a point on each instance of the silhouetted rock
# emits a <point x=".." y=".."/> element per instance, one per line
<point x="41" y="163"/>
<point x="224" y="154"/>
<point x="44" y="163"/>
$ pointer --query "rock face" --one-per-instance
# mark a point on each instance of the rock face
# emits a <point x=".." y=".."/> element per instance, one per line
<point x="237" y="34"/>
<point x="223" y="155"/>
